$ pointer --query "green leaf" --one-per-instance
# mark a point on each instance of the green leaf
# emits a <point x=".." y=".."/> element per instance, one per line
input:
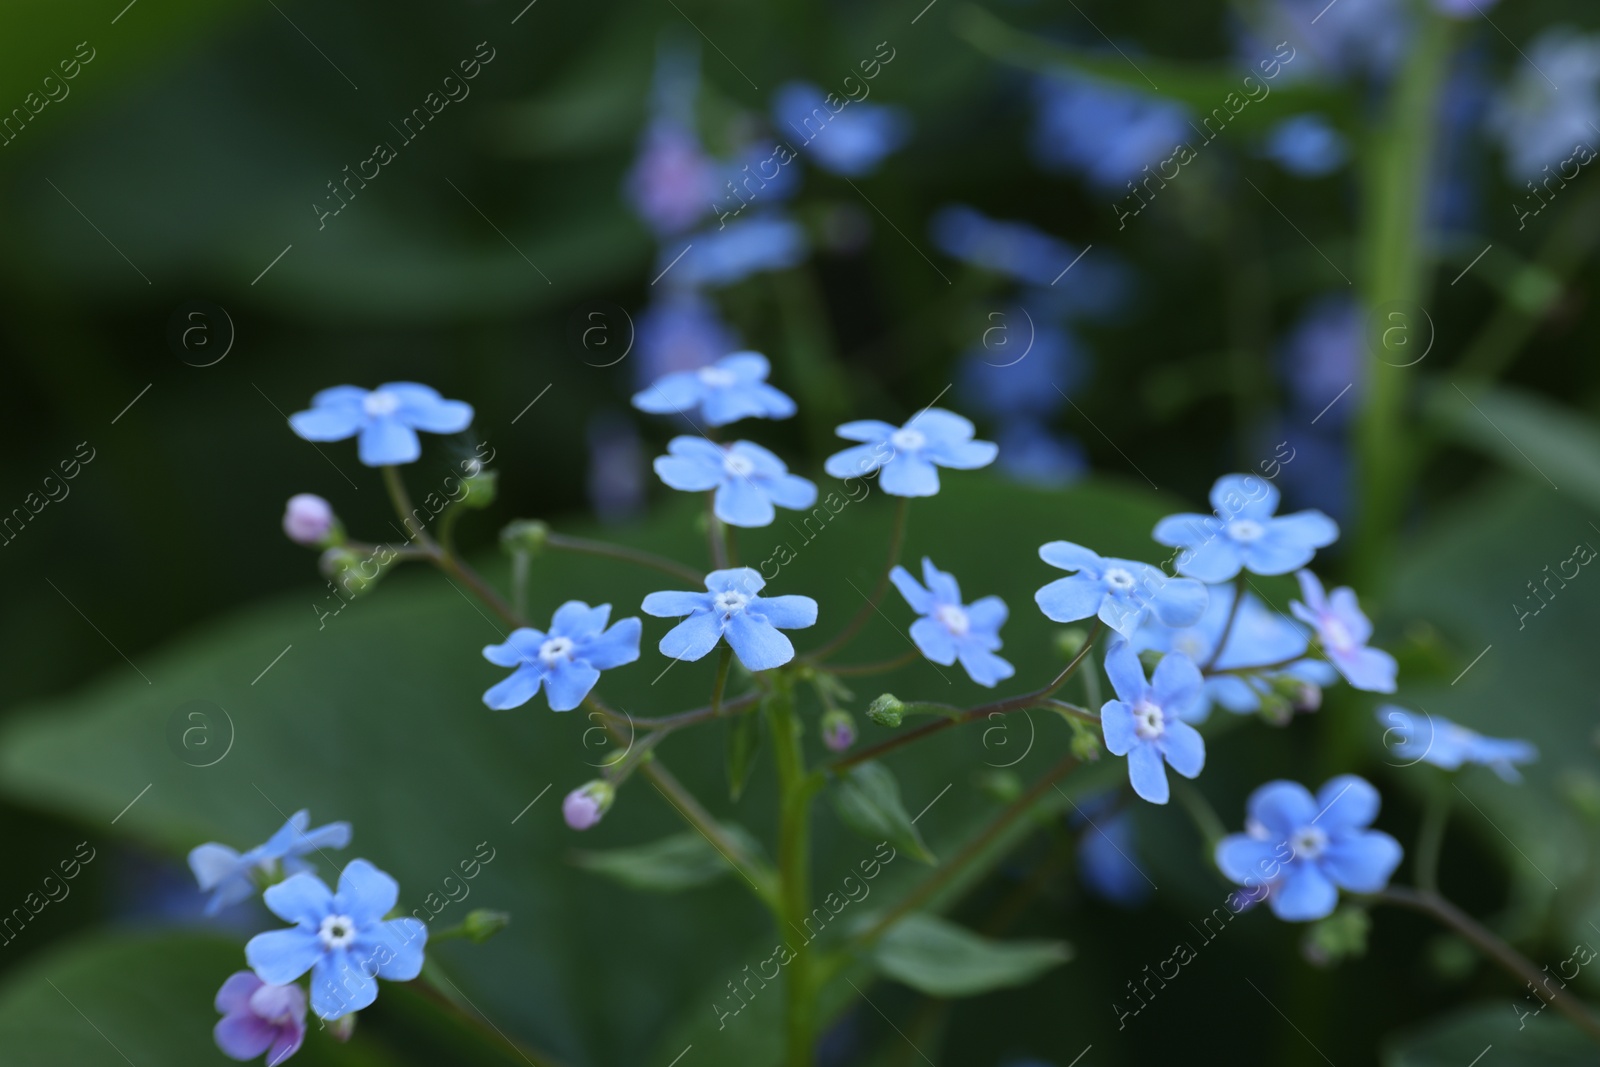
<point x="1544" y="1040"/>
<point x="744" y="741"/>
<point x="681" y="861"/>
<point x="1545" y="442"/>
<point x="867" y="799"/>
<point x="942" y="959"/>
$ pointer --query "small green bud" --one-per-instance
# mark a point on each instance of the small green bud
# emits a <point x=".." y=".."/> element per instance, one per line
<point x="341" y="1028"/>
<point x="1451" y="957"/>
<point x="483" y="923"/>
<point x="1085" y="742"/>
<point x="1341" y="936"/>
<point x="1276" y="709"/>
<point x="1070" y="641"/>
<point x="1003" y="785"/>
<point x="480" y="489"/>
<point x="887" y="710"/>
<point x="524" y="536"/>
<point x="348" y="570"/>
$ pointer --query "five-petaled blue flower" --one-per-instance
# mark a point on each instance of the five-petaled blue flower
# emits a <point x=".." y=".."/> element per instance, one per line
<point x="341" y="938"/>
<point x="227" y="874"/>
<point x="950" y="630"/>
<point x="1244" y="533"/>
<point x="1304" y="849"/>
<point x="1436" y="740"/>
<point x="1121" y="592"/>
<point x="567" y="660"/>
<point x="1343" y="631"/>
<point x="730" y="608"/>
<point x="909" y="454"/>
<point x="748" y="479"/>
<point x="387" y="418"/>
<point x="1146" y="721"/>
<point x="733" y="388"/>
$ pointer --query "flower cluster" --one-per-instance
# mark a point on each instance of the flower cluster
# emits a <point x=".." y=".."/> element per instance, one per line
<point x="343" y="937"/>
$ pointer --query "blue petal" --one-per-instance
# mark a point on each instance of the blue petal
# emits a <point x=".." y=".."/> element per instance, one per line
<point x="1346" y="803"/>
<point x="568" y="682"/>
<point x="688" y="475"/>
<point x="693" y="637"/>
<point x="1186" y="529"/>
<point x="934" y="641"/>
<point x="422" y="408"/>
<point x="916" y="596"/>
<point x="1275" y="552"/>
<point x="1311" y="592"/>
<point x="857" y="461"/>
<point x="1123" y="614"/>
<point x="865" y="430"/>
<point x="772" y="402"/>
<point x="908" y="474"/>
<point x="1249" y="860"/>
<point x="987" y="615"/>
<point x="395" y="948"/>
<point x="942" y="427"/>
<point x="1179" y="601"/>
<point x="331" y="835"/>
<point x="740" y="503"/>
<point x="963" y="455"/>
<point x="675" y="394"/>
<point x="1176" y="685"/>
<point x="1282" y="807"/>
<point x="339" y="394"/>
<point x="790" y="612"/>
<point x="1305" y="893"/>
<point x="736" y="580"/>
<point x="1116" y="723"/>
<point x="1072" y="598"/>
<point x="722" y="406"/>
<point x="1147" y="773"/>
<point x="365" y="894"/>
<point x="616" y="646"/>
<point x="1362" y="862"/>
<point x="763" y="463"/>
<point x="1184" y="748"/>
<point x="791" y="491"/>
<point x="1216" y="560"/>
<point x="387" y="442"/>
<point x="211" y="863"/>
<point x="280" y="956"/>
<point x="340" y="986"/>
<point x="300" y="899"/>
<point x="1244" y="496"/>
<point x="982" y="666"/>
<point x="1126" y="672"/>
<point x="1072" y="557"/>
<point x="1343" y="605"/>
<point x="577" y="620"/>
<point x="670" y="604"/>
<point x="746" y="366"/>
<point x="516" y="690"/>
<point x="331" y="422"/>
<point x="758" y="645"/>
<point x="1371" y="669"/>
<point x="941" y="584"/>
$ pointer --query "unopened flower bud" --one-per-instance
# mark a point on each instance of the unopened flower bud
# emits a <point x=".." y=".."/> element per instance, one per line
<point x="308" y="519"/>
<point x="1307" y="698"/>
<point x="585" y="805"/>
<point x="1070" y="642"/>
<point x="838" y="730"/>
<point x="482" y="923"/>
<point x="342" y="1027"/>
<point x="1085" y="741"/>
<point x="887" y="710"/>
<point x="524" y="535"/>
<point x="480" y="489"/>
<point x="348" y="569"/>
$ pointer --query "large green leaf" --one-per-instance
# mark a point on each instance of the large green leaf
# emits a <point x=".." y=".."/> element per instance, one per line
<point x="681" y="861"/>
<point x="1547" y="443"/>
<point x="1460" y="1039"/>
<point x="945" y="960"/>
<point x="867" y="799"/>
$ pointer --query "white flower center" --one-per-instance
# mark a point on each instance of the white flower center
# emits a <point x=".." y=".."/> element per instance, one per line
<point x="1149" y="722"/>
<point x="337" y="931"/>
<point x="730" y="603"/>
<point x="1246" y="530"/>
<point x="1308" y="842"/>
<point x="379" y="403"/>
<point x="737" y="465"/>
<point x="1336" y="635"/>
<point x="717" y="377"/>
<point x="1191" y="645"/>
<point x="555" y="650"/>
<point x="908" y="440"/>
<point x="955" y="620"/>
<point x="1119" y="579"/>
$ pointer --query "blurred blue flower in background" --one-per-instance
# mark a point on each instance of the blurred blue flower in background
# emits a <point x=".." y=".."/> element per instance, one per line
<point x="1348" y="38"/>
<point x="672" y="182"/>
<point x="718" y="257"/>
<point x="1323" y="355"/>
<point x="385" y="419"/>
<point x="1013" y="372"/>
<point x="680" y="331"/>
<point x="1034" y="454"/>
<point x="1105" y="133"/>
<point x="1463" y="9"/>
<point x="616" y="466"/>
<point x="1537" y="125"/>
<point x="1343" y="630"/>
<point x="1306" y="146"/>
<point x="1453" y="201"/>
<point x="227" y="874"/>
<point x="1436" y="740"/>
<point x="1105" y="860"/>
<point x="1244" y="532"/>
<point x="851" y="141"/>
<point x="1015" y="249"/>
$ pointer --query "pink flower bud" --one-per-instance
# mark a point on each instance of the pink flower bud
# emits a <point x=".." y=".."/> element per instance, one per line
<point x="585" y="805"/>
<point x="308" y="519"/>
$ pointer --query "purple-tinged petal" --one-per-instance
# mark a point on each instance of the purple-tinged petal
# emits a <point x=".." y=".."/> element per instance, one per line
<point x="234" y="996"/>
<point x="243" y="1036"/>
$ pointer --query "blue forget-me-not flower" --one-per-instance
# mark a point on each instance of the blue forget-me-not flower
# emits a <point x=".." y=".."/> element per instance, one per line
<point x="1121" y="592"/>
<point x="1343" y="631"/>
<point x="950" y="630"/>
<point x="732" y="608"/>
<point x="1425" y="738"/>
<point x="1146" y="721"/>
<point x="851" y="139"/>
<point x="341" y="937"/>
<point x="909" y="454"/>
<point x="567" y="661"/>
<point x="1302" y="849"/>
<point x="733" y="388"/>
<point x="748" y="479"/>
<point x="1244" y="533"/>
<point x="227" y="874"/>
<point x="386" y="418"/>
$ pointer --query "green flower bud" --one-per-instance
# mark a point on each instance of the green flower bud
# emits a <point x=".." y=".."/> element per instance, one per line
<point x="341" y="1028"/>
<point x="1085" y="741"/>
<point x="1341" y="936"/>
<point x="480" y="489"/>
<point x="887" y="710"/>
<point x="1070" y="642"/>
<point x="1003" y="785"/>
<point x="352" y="572"/>
<point x="483" y="923"/>
<point x="524" y="536"/>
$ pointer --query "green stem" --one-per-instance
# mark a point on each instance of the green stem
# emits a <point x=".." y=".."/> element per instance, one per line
<point x="1509" y="959"/>
<point x="721" y="682"/>
<point x="719" y="546"/>
<point x="1430" y="839"/>
<point x="444" y="558"/>
<point x="881" y="667"/>
<point x="897" y="537"/>
<point x="623" y="552"/>
<point x="795" y="789"/>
